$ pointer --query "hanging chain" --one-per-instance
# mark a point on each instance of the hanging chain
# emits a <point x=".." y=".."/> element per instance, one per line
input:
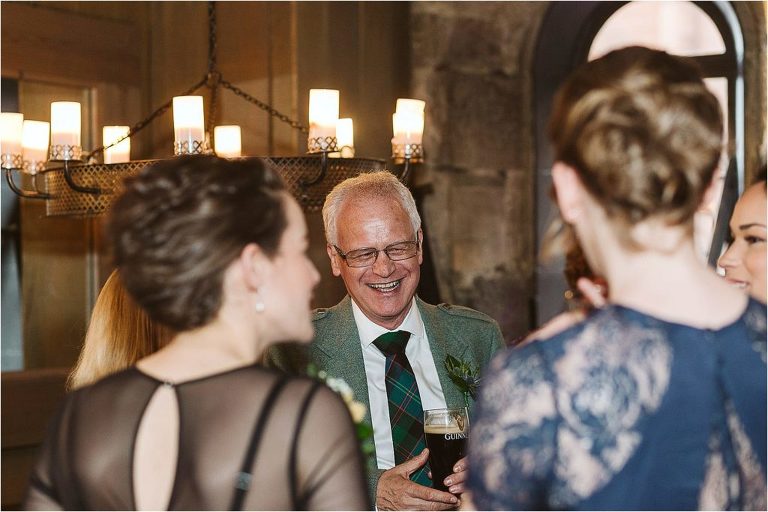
<point x="267" y="108"/>
<point x="212" y="46"/>
<point x="212" y="80"/>
<point x="215" y="79"/>
<point x="213" y="76"/>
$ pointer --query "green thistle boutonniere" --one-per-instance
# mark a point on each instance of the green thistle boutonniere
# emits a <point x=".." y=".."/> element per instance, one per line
<point x="465" y="376"/>
<point x="357" y="409"/>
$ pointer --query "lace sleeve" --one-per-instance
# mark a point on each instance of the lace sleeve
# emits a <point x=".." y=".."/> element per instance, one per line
<point x="512" y="442"/>
<point x="331" y="474"/>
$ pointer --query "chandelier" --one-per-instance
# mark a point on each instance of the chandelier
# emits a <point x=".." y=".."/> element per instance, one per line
<point x="74" y="183"/>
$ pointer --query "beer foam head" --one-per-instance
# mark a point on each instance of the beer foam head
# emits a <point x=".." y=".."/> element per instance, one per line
<point x="442" y="429"/>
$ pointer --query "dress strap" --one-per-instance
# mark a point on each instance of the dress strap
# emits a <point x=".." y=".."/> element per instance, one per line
<point x="299" y="503"/>
<point x="244" y="476"/>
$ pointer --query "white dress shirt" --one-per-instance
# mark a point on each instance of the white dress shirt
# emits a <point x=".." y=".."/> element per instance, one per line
<point x="420" y="357"/>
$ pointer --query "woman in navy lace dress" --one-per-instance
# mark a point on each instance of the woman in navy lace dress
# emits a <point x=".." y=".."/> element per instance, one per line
<point x="658" y="399"/>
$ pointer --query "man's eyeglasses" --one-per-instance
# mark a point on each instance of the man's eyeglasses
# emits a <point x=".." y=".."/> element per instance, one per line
<point x="367" y="257"/>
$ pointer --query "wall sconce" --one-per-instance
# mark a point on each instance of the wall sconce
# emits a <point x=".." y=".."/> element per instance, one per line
<point x="227" y="141"/>
<point x="117" y="144"/>
<point x="188" y="125"/>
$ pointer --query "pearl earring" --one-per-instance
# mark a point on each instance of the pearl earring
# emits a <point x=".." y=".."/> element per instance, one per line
<point x="260" y="307"/>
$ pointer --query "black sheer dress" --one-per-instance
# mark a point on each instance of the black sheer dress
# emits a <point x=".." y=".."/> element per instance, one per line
<point x="249" y="438"/>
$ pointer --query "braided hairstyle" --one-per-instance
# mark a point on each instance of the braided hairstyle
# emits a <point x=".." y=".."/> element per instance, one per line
<point x="180" y="223"/>
<point x="643" y="133"/>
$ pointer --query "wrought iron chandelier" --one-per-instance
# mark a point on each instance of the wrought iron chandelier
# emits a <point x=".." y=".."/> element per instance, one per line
<point x="76" y="184"/>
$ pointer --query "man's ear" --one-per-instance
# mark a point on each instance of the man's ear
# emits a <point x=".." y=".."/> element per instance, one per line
<point x="335" y="259"/>
<point x="420" y="238"/>
<point x="568" y="191"/>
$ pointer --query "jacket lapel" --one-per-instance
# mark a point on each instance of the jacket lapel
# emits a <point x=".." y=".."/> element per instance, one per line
<point x="339" y="351"/>
<point x="443" y="341"/>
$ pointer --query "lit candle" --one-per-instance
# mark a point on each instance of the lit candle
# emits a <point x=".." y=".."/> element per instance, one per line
<point x="65" y="123"/>
<point x="408" y="121"/>
<point x="11" y="124"/>
<point x="323" y="112"/>
<point x="188" y="121"/>
<point x="120" y="152"/>
<point x="34" y="142"/>
<point x="416" y="107"/>
<point x="345" y="137"/>
<point x="407" y="127"/>
<point x="227" y="141"/>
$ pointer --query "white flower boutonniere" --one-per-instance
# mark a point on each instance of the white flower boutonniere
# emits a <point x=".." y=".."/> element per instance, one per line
<point x="357" y="409"/>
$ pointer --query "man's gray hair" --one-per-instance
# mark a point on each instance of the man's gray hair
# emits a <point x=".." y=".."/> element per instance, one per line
<point x="369" y="184"/>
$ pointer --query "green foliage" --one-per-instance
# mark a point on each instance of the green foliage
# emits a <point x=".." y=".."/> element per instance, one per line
<point x="465" y="376"/>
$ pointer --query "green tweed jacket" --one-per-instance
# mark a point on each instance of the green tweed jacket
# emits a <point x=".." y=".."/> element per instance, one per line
<point x="461" y="332"/>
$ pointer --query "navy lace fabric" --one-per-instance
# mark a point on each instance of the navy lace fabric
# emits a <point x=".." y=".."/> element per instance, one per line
<point x="626" y="412"/>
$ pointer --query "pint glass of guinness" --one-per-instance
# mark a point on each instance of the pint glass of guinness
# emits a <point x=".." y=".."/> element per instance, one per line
<point x="446" y="432"/>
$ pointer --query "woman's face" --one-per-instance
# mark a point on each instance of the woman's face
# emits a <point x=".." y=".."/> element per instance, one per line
<point x="287" y="291"/>
<point x="744" y="261"/>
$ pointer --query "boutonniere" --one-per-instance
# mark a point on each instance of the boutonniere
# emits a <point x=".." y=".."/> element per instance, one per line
<point x="464" y="375"/>
<point x="356" y="409"/>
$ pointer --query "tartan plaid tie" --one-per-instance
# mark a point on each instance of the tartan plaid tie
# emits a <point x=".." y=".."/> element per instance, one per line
<point x="405" y="412"/>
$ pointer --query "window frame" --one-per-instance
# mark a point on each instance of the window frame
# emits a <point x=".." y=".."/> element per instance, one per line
<point x="565" y="37"/>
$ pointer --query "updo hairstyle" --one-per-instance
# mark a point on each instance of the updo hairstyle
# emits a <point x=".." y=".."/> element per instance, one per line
<point x="180" y="223"/>
<point x="643" y="133"/>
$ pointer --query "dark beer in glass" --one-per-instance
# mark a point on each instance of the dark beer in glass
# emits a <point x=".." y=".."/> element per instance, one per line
<point x="446" y="432"/>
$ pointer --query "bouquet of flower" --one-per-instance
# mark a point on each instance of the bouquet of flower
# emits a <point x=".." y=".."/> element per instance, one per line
<point x="356" y="409"/>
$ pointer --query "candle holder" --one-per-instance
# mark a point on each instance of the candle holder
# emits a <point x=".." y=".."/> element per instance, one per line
<point x="404" y="152"/>
<point x="322" y="145"/>
<point x="77" y="185"/>
<point x="33" y="167"/>
<point x="107" y="178"/>
<point x="298" y="172"/>
<point x="11" y="160"/>
<point x="190" y="147"/>
<point x="407" y="154"/>
<point x="65" y="152"/>
<point x="304" y="184"/>
<point x="19" y="191"/>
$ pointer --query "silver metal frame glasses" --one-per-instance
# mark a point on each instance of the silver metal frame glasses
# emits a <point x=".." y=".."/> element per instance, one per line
<point x="397" y="251"/>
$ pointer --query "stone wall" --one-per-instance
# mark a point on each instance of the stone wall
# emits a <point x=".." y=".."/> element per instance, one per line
<point x="471" y="62"/>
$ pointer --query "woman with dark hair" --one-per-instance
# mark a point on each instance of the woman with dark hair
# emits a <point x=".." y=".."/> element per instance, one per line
<point x="216" y="251"/>
<point x="657" y="400"/>
<point x="744" y="262"/>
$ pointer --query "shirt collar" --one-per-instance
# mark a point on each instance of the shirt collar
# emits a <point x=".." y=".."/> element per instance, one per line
<point x="369" y="331"/>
